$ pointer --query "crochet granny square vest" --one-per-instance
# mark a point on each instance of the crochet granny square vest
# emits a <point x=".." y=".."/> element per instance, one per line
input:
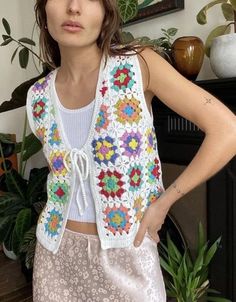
<point x="121" y="152"/>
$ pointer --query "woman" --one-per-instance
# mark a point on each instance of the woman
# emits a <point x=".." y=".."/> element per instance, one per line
<point x="97" y="235"/>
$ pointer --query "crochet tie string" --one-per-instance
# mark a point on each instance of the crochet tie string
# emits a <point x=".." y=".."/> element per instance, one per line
<point x="80" y="164"/>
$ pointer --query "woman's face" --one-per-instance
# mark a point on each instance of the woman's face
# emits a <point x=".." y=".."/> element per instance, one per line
<point x="88" y="13"/>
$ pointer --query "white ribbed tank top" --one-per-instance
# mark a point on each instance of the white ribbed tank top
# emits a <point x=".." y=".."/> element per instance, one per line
<point x="76" y="124"/>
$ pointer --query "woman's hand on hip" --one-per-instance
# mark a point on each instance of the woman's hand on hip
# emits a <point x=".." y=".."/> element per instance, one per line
<point x="152" y="222"/>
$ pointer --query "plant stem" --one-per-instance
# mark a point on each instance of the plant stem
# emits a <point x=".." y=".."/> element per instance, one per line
<point x="22" y="146"/>
<point x="34" y="53"/>
<point x="234" y="21"/>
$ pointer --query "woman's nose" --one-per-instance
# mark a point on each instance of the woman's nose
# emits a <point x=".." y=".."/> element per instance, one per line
<point x="74" y="7"/>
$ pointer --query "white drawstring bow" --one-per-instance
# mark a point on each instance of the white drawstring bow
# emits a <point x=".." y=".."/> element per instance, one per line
<point x="80" y="163"/>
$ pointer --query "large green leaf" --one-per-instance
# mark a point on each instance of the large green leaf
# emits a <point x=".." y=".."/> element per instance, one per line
<point x="28" y="246"/>
<point x="128" y="9"/>
<point x="227" y="11"/>
<point x="29" y="140"/>
<point x="27" y="41"/>
<point x="32" y="146"/>
<point x="19" y="95"/>
<point x="24" y="57"/>
<point x="6" y="26"/>
<point x="218" y="31"/>
<point x="16" y="184"/>
<point x="15" y="241"/>
<point x="7" y="200"/>
<point x="37" y="180"/>
<point x="202" y="15"/>
<point x="23" y="223"/>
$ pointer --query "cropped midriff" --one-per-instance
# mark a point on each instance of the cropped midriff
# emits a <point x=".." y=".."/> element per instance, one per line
<point x="82" y="227"/>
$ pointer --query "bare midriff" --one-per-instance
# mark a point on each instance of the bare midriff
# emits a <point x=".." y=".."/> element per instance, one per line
<point x="82" y="227"/>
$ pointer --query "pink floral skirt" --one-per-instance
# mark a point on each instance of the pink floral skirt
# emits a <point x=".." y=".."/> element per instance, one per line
<point x="82" y="271"/>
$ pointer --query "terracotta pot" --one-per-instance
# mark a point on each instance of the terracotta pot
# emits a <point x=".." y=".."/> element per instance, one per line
<point x="188" y="55"/>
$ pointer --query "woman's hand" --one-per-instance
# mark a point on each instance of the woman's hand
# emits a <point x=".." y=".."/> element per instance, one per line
<point x="152" y="221"/>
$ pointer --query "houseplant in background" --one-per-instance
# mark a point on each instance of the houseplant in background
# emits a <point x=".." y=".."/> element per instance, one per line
<point x="187" y="277"/>
<point x="185" y="53"/>
<point x="220" y="44"/>
<point x="21" y="202"/>
<point x="23" y="199"/>
<point x="162" y="45"/>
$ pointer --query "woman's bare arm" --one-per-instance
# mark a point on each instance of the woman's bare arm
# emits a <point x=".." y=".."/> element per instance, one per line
<point x="204" y="110"/>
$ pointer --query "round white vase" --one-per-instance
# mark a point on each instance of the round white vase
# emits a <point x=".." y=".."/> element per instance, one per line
<point x="223" y="56"/>
<point x="9" y="254"/>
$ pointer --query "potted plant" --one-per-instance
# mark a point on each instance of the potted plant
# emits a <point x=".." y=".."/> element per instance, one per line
<point x="221" y="42"/>
<point x="23" y="199"/>
<point x="186" y="278"/>
<point x="21" y="202"/>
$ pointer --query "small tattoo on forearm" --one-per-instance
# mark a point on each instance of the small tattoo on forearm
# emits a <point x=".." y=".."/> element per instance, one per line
<point x="208" y="101"/>
<point x="178" y="190"/>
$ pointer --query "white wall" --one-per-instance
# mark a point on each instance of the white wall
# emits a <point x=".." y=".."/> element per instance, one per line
<point x="21" y="18"/>
<point x="185" y="21"/>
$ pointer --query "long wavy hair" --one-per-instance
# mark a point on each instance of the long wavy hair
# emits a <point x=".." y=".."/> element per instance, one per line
<point x="109" y="40"/>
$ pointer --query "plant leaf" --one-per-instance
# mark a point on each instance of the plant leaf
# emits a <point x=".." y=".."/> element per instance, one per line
<point x="211" y="252"/>
<point x="23" y="222"/>
<point x="14" y="54"/>
<point x="37" y="180"/>
<point x="227" y="11"/>
<point x="233" y="2"/>
<point x="201" y="237"/>
<point x="6" y="42"/>
<point x="127" y="37"/>
<point x="27" y="41"/>
<point x="128" y="9"/>
<point x="172" y="31"/>
<point x="24" y="57"/>
<point x="6" y="26"/>
<point x="32" y="147"/>
<point x="217" y="299"/>
<point x="218" y="31"/>
<point x="18" y="97"/>
<point x="5" y="37"/>
<point x="145" y="3"/>
<point x="202" y="15"/>
<point x="167" y="267"/>
<point x="8" y="199"/>
<point x="16" y="183"/>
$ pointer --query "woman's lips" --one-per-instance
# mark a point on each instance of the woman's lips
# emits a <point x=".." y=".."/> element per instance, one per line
<point x="71" y="28"/>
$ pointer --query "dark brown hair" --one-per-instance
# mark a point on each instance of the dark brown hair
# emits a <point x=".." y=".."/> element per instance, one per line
<point x="109" y="40"/>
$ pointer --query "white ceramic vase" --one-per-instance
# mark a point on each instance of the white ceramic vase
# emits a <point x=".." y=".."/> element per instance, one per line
<point x="9" y="254"/>
<point x="223" y="56"/>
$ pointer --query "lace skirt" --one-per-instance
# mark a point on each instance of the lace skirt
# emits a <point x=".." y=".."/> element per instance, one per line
<point x="82" y="271"/>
